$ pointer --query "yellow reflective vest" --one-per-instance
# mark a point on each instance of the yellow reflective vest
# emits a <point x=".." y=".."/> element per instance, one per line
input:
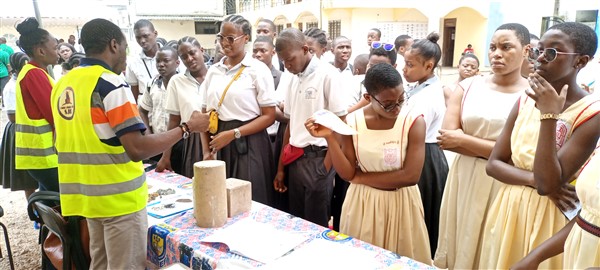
<point x="96" y="179"/>
<point x="34" y="148"/>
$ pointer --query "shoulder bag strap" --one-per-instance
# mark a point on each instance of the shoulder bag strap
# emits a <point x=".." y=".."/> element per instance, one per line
<point x="237" y="75"/>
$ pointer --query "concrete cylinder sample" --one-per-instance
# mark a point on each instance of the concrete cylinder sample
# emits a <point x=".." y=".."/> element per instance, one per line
<point x="210" y="193"/>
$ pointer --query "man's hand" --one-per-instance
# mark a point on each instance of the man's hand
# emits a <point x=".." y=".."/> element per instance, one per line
<point x="198" y="122"/>
<point x="163" y="164"/>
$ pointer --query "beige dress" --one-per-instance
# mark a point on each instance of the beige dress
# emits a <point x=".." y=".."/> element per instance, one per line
<point x="389" y="219"/>
<point x="582" y="249"/>
<point x="469" y="190"/>
<point x="519" y="219"/>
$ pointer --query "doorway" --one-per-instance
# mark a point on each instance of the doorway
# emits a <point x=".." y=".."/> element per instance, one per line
<point x="449" y="37"/>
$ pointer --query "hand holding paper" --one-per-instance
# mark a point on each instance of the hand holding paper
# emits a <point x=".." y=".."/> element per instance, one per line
<point x="324" y="122"/>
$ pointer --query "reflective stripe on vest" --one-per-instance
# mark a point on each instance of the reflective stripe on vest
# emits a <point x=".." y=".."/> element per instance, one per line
<point x="33" y="137"/>
<point x="104" y="190"/>
<point x="90" y="159"/>
<point x="96" y="179"/>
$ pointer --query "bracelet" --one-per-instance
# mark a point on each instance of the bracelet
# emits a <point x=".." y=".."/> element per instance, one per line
<point x="549" y="116"/>
<point x="186" y="130"/>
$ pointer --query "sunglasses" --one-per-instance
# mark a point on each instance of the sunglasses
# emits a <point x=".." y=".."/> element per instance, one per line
<point x="390" y="107"/>
<point x="386" y="46"/>
<point x="230" y="39"/>
<point x="550" y="54"/>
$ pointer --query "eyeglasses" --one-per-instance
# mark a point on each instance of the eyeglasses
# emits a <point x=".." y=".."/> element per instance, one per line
<point x="386" y="46"/>
<point x="230" y="39"/>
<point x="550" y="54"/>
<point x="390" y="107"/>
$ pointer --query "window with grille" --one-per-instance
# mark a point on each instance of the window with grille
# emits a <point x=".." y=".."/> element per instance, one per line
<point x="312" y="24"/>
<point x="335" y="29"/>
<point x="205" y="28"/>
<point x="245" y="5"/>
<point x="279" y="28"/>
<point x="230" y="7"/>
<point x="261" y="4"/>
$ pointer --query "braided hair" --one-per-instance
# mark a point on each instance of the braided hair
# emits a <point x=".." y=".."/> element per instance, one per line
<point x="190" y="40"/>
<point x="17" y="61"/>
<point x="97" y="34"/>
<point x="242" y="23"/>
<point x="31" y="35"/>
<point x="318" y="35"/>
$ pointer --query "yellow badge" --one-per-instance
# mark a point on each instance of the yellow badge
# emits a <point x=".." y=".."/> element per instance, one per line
<point x="66" y="103"/>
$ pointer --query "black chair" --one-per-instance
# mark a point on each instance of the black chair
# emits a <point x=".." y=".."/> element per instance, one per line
<point x="10" y="258"/>
<point x="55" y="223"/>
<point x="50" y="198"/>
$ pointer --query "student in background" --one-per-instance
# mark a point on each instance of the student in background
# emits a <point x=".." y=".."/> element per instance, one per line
<point x="360" y="64"/>
<point x="154" y="101"/>
<point x="468" y="66"/>
<point x="528" y="65"/>
<point x="267" y="28"/>
<point x="316" y="39"/>
<point x="402" y="44"/>
<point x="427" y="97"/>
<point x="141" y="68"/>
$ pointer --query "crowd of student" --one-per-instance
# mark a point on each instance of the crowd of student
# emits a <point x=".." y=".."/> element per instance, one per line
<point x="522" y="134"/>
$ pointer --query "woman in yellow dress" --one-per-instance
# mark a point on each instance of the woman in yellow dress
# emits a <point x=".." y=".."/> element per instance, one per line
<point x="477" y="111"/>
<point x="556" y="138"/>
<point x="383" y="204"/>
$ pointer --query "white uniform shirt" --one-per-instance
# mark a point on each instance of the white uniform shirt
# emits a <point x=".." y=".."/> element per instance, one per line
<point x="183" y="96"/>
<point x="318" y="87"/>
<point x="155" y="102"/>
<point x="428" y="99"/>
<point x="251" y="91"/>
<point x="9" y="96"/>
<point x="140" y="71"/>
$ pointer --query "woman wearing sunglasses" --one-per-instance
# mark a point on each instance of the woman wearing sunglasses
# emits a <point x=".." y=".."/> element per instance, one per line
<point x="383" y="204"/>
<point x="241" y="89"/>
<point x="477" y="111"/>
<point x="549" y="135"/>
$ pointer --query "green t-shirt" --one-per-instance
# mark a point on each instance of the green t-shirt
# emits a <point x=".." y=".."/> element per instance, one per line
<point x="7" y="49"/>
<point x="3" y="63"/>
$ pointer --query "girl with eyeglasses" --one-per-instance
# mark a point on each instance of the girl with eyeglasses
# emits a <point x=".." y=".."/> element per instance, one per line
<point x="241" y="89"/>
<point x="427" y="98"/>
<point x="383" y="204"/>
<point x="477" y="111"/>
<point x="548" y="136"/>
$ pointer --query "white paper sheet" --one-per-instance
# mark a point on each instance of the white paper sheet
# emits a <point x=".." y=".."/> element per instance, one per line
<point x="572" y="213"/>
<point x="332" y="121"/>
<point x="327" y="255"/>
<point x="255" y="240"/>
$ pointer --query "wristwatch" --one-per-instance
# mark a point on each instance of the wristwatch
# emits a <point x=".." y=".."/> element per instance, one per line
<point x="236" y="133"/>
<point x="186" y="130"/>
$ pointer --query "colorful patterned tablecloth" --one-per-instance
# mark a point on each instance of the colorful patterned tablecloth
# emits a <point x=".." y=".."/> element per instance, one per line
<point x="179" y="239"/>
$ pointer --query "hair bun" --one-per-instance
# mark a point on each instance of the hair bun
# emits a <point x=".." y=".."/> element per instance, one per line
<point x="28" y="25"/>
<point x="433" y="37"/>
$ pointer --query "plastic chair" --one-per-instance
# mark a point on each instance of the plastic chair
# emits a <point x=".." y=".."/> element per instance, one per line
<point x="10" y="258"/>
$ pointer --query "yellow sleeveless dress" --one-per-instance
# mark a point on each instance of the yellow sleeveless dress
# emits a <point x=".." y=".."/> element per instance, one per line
<point x="389" y="219"/>
<point x="519" y="219"/>
<point x="469" y="191"/>
<point x="582" y="249"/>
